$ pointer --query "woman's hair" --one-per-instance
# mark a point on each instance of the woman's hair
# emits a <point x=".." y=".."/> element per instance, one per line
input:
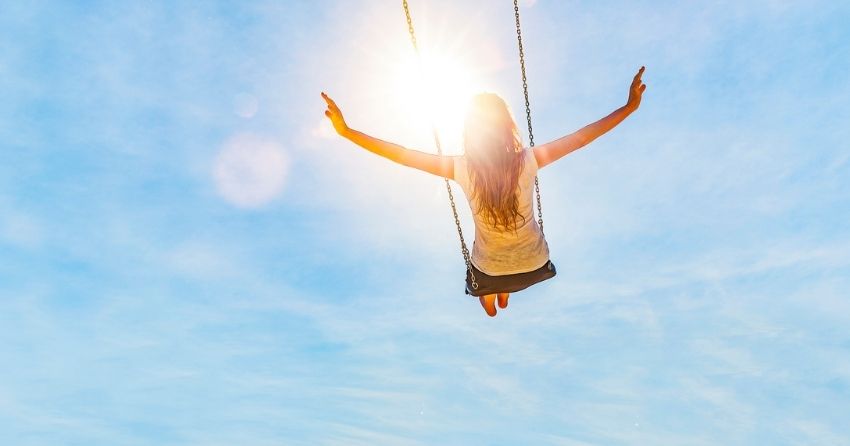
<point x="494" y="159"/>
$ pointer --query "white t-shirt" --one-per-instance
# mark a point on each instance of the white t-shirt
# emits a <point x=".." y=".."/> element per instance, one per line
<point x="499" y="252"/>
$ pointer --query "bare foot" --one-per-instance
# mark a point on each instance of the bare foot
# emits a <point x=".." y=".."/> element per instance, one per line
<point x="488" y="301"/>
<point x="503" y="300"/>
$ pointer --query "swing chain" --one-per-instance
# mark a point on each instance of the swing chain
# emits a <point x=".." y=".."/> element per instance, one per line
<point x="410" y="27"/>
<point x="463" y="249"/>
<point x="528" y="111"/>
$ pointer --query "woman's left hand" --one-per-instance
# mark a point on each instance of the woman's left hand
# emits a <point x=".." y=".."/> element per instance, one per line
<point x="636" y="90"/>
<point x="335" y="115"/>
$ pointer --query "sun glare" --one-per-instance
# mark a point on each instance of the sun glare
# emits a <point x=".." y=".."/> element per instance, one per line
<point x="437" y="89"/>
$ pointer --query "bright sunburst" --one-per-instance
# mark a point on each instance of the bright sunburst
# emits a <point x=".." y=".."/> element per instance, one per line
<point x="437" y="89"/>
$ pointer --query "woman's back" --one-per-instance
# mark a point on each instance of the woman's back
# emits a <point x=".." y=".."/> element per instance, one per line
<point x="504" y="251"/>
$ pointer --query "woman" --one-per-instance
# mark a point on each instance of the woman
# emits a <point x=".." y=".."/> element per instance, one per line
<point x="497" y="176"/>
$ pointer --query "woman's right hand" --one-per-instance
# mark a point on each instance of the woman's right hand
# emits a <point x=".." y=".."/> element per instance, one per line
<point x="636" y="91"/>
<point x="335" y="115"/>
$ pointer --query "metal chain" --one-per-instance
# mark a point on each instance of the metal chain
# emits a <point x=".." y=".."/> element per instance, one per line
<point x="463" y="249"/>
<point x="528" y="111"/>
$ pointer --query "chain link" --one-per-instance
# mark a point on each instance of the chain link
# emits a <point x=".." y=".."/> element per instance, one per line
<point x="463" y="249"/>
<point x="410" y="27"/>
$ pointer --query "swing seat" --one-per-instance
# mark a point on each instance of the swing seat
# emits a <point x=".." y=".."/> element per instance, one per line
<point x="509" y="283"/>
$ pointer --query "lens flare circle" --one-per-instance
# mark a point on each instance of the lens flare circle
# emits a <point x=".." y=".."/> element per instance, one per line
<point x="250" y="170"/>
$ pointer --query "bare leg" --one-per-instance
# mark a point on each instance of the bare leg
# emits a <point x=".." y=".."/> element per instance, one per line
<point x="488" y="301"/>
<point x="503" y="300"/>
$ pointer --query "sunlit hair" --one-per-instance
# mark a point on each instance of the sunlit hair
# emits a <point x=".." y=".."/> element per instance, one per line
<point x="495" y="160"/>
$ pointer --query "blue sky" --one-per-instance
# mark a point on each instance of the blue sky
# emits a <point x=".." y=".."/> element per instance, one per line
<point x="189" y="256"/>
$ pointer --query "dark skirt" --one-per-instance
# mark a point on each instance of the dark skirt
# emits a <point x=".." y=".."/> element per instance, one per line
<point x="509" y="283"/>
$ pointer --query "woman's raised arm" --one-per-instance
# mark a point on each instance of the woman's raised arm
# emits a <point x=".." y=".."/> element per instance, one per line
<point x="550" y="152"/>
<point x="434" y="164"/>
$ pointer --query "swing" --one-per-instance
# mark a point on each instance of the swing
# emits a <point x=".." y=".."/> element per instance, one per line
<point x="477" y="282"/>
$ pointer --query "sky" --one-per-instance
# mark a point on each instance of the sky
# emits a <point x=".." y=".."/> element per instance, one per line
<point x="190" y="255"/>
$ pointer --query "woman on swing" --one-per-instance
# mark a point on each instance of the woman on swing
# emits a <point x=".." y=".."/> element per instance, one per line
<point x="497" y="176"/>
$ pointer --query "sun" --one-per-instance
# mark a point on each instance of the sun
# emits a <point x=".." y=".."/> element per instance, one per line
<point x="436" y="88"/>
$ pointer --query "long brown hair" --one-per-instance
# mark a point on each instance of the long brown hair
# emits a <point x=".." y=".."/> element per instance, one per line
<point x="495" y="160"/>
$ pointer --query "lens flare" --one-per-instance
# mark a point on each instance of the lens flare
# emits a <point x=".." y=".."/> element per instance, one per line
<point x="250" y="170"/>
<point x="437" y="88"/>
